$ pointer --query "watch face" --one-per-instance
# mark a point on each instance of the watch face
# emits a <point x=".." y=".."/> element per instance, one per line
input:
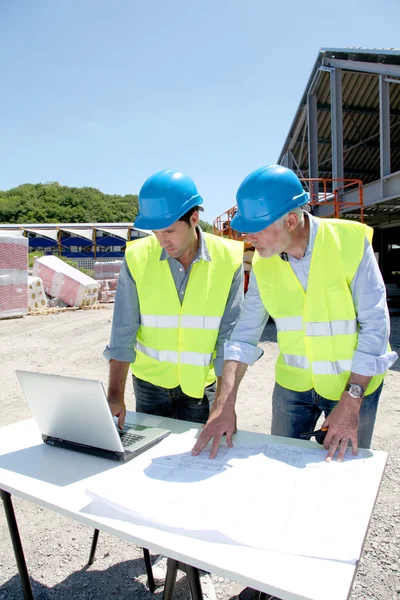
<point x="355" y="390"/>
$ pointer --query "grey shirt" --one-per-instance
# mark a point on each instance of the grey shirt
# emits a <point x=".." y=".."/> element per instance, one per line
<point x="126" y="318"/>
<point x="371" y="356"/>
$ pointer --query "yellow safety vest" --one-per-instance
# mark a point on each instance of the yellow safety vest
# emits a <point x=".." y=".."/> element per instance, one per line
<point x="175" y="344"/>
<point x="317" y="329"/>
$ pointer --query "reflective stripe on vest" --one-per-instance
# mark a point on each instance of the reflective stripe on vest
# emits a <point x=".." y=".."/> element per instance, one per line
<point x="160" y="355"/>
<point x="319" y="367"/>
<point x="289" y="324"/>
<point x="186" y="322"/>
<point x="301" y="362"/>
<point x="159" y="321"/>
<point x="326" y="367"/>
<point x="329" y="328"/>
<point x="317" y="329"/>
<point x="342" y="327"/>
<point x="186" y="358"/>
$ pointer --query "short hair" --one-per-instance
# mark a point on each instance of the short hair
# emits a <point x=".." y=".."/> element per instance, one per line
<point x="188" y="214"/>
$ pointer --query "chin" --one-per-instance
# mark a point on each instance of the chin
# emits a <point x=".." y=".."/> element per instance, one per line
<point x="267" y="253"/>
<point x="175" y="253"/>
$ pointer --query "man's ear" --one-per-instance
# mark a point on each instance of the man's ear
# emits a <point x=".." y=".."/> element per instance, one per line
<point x="292" y="221"/>
<point x="195" y="218"/>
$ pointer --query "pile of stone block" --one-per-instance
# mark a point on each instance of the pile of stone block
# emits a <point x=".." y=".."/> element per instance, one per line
<point x="107" y="273"/>
<point x="62" y="281"/>
<point x="107" y="290"/>
<point x="37" y="299"/>
<point x="13" y="274"/>
<point x="107" y="269"/>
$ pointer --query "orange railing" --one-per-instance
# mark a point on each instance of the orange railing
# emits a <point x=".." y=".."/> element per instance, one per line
<point x="321" y="193"/>
<point x="222" y="225"/>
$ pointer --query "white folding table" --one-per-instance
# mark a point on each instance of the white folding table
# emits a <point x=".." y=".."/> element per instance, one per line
<point x="57" y="479"/>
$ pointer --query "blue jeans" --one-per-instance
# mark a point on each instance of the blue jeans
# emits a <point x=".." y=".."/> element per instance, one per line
<point x="294" y="413"/>
<point x="173" y="403"/>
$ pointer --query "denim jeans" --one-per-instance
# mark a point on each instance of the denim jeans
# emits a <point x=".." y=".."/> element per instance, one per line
<point x="173" y="403"/>
<point x="294" y="413"/>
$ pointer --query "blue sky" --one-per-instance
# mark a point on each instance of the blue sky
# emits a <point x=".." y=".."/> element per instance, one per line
<point x="103" y="94"/>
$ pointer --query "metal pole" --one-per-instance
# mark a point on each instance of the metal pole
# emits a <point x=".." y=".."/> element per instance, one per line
<point x="384" y="125"/>
<point x="170" y="580"/>
<point x="312" y="144"/>
<point x="299" y="171"/>
<point x="93" y="547"/>
<point x="289" y="160"/>
<point x="193" y="576"/>
<point x="94" y="240"/>
<point x="336" y="125"/>
<point x="285" y="160"/>
<point x="149" y="570"/>
<point x="16" y="542"/>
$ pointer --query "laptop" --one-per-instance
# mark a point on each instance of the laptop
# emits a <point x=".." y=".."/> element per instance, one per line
<point x="73" y="413"/>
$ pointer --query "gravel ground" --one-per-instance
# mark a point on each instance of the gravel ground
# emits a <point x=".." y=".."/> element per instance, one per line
<point x="57" y="548"/>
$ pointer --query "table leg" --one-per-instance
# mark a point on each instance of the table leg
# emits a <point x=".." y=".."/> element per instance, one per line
<point x="193" y="576"/>
<point x="149" y="570"/>
<point x="170" y="580"/>
<point x="16" y="542"/>
<point x="93" y="547"/>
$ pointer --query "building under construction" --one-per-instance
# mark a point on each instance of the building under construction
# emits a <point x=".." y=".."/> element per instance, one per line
<point x="344" y="143"/>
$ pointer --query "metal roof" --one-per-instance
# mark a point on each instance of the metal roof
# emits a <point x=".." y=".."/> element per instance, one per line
<point x="74" y="227"/>
<point x="360" y="85"/>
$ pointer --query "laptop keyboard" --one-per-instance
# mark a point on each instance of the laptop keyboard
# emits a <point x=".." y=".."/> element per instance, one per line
<point x="128" y="438"/>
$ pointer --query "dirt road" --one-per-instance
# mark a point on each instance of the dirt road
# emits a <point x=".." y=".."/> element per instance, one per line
<point x="57" y="549"/>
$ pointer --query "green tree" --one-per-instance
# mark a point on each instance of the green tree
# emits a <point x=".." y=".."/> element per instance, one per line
<point x="206" y="226"/>
<point x="54" y="203"/>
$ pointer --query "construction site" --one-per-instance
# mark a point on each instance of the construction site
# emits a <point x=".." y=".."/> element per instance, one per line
<point x="344" y="144"/>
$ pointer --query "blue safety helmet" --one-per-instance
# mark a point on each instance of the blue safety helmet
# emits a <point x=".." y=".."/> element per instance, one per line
<point x="265" y="196"/>
<point x="164" y="198"/>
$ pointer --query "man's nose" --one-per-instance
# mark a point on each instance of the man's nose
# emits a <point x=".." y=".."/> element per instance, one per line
<point x="161" y="240"/>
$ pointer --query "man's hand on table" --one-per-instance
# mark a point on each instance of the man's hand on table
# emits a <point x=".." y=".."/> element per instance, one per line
<point x="342" y="425"/>
<point x="222" y="420"/>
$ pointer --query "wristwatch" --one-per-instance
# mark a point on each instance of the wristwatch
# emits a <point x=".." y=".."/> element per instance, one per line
<point x="355" y="390"/>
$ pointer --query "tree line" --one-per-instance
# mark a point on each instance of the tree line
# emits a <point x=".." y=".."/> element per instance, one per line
<point x="54" y="203"/>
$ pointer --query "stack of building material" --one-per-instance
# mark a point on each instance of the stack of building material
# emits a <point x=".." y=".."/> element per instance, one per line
<point x="107" y="290"/>
<point x="107" y="284"/>
<point x="112" y="284"/>
<point x="107" y="269"/>
<point x="107" y="296"/>
<point x="107" y="273"/>
<point x="13" y="274"/>
<point x="37" y="299"/>
<point x="62" y="281"/>
<point x="103" y="285"/>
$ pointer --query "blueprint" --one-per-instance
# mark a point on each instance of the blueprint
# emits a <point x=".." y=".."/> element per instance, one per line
<point x="273" y="496"/>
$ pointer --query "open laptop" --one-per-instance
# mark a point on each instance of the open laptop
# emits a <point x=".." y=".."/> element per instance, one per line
<point x="73" y="413"/>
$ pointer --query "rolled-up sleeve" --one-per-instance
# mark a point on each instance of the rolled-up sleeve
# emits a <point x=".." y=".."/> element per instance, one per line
<point x="372" y="355"/>
<point x="229" y="318"/>
<point x="126" y="319"/>
<point x="242" y="345"/>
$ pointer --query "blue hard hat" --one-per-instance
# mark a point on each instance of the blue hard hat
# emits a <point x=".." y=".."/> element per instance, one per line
<point x="164" y="198"/>
<point x="265" y="196"/>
